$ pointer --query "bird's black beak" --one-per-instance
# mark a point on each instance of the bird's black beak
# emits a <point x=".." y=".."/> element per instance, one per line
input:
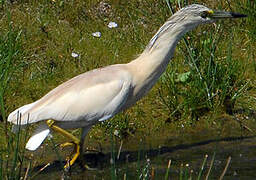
<point x="223" y="14"/>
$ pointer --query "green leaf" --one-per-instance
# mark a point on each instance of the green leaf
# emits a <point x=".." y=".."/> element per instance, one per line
<point x="184" y="77"/>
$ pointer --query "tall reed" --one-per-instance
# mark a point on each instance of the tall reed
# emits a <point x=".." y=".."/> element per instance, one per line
<point x="12" y="154"/>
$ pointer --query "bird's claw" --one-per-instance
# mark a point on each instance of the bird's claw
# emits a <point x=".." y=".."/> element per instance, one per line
<point x="89" y="168"/>
<point x="67" y="165"/>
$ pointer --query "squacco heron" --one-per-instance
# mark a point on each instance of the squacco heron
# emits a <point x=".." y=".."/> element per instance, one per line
<point x="100" y="94"/>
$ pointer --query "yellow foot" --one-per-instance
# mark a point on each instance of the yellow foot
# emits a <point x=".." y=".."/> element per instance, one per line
<point x="72" y="161"/>
<point x="67" y="144"/>
<point x="76" y="142"/>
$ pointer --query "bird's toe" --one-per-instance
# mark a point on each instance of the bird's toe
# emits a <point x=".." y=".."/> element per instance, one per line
<point x="66" y="144"/>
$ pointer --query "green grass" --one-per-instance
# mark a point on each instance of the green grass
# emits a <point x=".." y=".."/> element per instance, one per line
<point x="249" y="8"/>
<point x="10" y="55"/>
<point x="211" y="75"/>
<point x="210" y="83"/>
<point x="12" y="150"/>
<point x="55" y="30"/>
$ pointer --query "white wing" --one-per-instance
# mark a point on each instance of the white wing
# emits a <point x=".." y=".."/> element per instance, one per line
<point x="95" y="95"/>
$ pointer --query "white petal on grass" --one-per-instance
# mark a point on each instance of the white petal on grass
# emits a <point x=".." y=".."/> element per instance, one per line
<point x="112" y="24"/>
<point x="96" y="34"/>
<point x="74" y="55"/>
<point x="49" y="137"/>
<point x="116" y="132"/>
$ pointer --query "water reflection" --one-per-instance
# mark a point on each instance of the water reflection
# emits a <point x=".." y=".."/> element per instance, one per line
<point x="241" y="149"/>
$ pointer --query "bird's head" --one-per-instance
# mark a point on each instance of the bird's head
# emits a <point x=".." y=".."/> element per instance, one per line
<point x="196" y="14"/>
<point x="187" y="19"/>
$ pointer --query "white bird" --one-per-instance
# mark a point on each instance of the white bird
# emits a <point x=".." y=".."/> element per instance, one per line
<point x="100" y="94"/>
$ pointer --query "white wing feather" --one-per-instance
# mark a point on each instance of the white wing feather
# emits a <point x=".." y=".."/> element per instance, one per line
<point x="95" y="95"/>
<point x="38" y="137"/>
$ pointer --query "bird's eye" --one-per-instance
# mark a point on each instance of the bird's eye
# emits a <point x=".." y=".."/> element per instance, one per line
<point x="204" y="14"/>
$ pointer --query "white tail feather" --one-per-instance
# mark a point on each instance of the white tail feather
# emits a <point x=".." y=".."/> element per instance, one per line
<point x="38" y="137"/>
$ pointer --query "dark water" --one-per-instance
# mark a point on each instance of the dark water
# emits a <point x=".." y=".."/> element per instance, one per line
<point x="131" y="164"/>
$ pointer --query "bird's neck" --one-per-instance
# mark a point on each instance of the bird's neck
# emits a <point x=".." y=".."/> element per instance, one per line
<point x="150" y="65"/>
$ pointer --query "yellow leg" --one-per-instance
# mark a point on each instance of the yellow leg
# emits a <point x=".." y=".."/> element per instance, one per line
<point x="65" y="133"/>
<point x="75" y="156"/>
<point x="62" y="131"/>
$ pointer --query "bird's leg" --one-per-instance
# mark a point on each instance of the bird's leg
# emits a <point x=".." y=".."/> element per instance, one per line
<point x="69" y="144"/>
<point x="83" y="135"/>
<point x="77" y="153"/>
<point x="85" y="131"/>
<point x="65" y="133"/>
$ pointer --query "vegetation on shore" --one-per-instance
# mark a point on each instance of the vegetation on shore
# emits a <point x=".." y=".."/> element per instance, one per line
<point x="210" y="83"/>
